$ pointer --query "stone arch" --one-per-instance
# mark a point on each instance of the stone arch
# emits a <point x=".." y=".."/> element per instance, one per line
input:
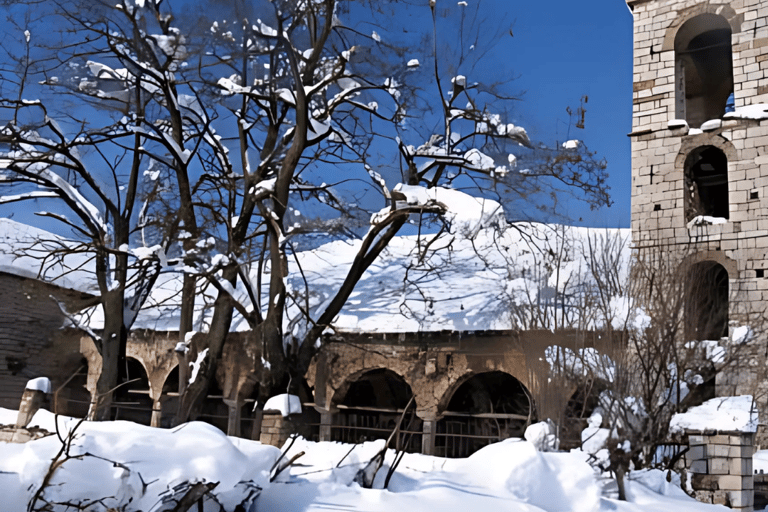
<point x="692" y="142"/>
<point x="703" y="67"/>
<point x="132" y="401"/>
<point x="727" y="12"/>
<point x="730" y="265"/>
<point x="369" y="404"/>
<point x="482" y="408"/>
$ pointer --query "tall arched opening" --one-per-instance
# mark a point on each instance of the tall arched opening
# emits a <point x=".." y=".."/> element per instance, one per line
<point x="703" y="69"/>
<point x="371" y="408"/>
<point x="486" y="408"/>
<point x="706" y="315"/>
<point x="131" y="400"/>
<point x="706" y="183"/>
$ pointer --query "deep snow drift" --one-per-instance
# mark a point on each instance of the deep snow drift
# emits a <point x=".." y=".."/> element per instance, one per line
<point x="144" y="468"/>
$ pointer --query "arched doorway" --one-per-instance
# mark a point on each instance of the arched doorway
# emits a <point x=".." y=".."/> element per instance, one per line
<point x="371" y="408"/>
<point x="131" y="400"/>
<point x="706" y="183"/>
<point x="486" y="408"/>
<point x="703" y="69"/>
<point x="706" y="315"/>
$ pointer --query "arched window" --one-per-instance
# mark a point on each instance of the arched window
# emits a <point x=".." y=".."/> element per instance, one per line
<point x="706" y="183"/>
<point x="486" y="408"/>
<point x="707" y="305"/>
<point x="703" y="69"/>
<point x="372" y="407"/>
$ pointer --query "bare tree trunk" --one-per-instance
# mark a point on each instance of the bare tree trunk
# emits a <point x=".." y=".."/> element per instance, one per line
<point x="112" y="350"/>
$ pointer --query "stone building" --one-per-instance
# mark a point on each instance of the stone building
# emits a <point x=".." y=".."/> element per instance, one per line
<point x="33" y="345"/>
<point x="700" y="164"/>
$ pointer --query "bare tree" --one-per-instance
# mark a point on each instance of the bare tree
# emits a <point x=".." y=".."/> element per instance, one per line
<point x="288" y="110"/>
<point x="672" y="336"/>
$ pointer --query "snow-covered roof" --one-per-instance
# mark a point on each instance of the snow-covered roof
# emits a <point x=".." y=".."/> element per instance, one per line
<point x="469" y="278"/>
<point x="27" y="251"/>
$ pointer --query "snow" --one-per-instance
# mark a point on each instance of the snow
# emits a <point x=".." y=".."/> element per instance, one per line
<point x="23" y="249"/>
<point x="571" y="144"/>
<point x="413" y="63"/>
<point x="196" y="364"/>
<point x="285" y="404"/>
<point x="487" y="269"/>
<point x="712" y="124"/>
<point x="135" y="466"/>
<point x="706" y="220"/>
<point x="542" y="436"/>
<point x="725" y="414"/>
<point x="757" y="111"/>
<point x="39" y="384"/>
<point x="677" y="123"/>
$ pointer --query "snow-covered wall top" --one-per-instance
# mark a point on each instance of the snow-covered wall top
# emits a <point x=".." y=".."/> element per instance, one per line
<point x="725" y="414"/>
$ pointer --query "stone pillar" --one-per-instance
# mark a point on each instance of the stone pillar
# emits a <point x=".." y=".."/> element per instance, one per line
<point x="429" y="418"/>
<point x="31" y="401"/>
<point x="429" y="432"/>
<point x="275" y="429"/>
<point x="233" y="416"/>
<point x="181" y="357"/>
<point x="721" y="463"/>
<point x="157" y="414"/>
<point x="326" y="420"/>
<point x="258" y="416"/>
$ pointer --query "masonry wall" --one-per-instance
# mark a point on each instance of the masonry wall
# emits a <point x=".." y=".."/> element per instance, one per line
<point x="660" y="147"/>
<point x="32" y="343"/>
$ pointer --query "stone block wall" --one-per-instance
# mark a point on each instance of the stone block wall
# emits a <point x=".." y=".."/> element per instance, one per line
<point x="721" y="464"/>
<point x="662" y="150"/>
<point x="275" y="429"/>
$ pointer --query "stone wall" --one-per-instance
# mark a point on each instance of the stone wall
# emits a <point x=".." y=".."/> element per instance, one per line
<point x="275" y="429"/>
<point x="721" y="464"/>
<point x="665" y="193"/>
<point x="435" y="364"/>
<point x="33" y="343"/>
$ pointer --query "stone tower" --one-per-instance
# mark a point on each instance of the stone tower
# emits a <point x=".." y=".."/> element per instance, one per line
<point x="700" y="165"/>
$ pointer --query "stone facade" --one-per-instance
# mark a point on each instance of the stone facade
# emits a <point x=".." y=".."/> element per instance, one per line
<point x="506" y="372"/>
<point x="700" y="160"/>
<point x="33" y="343"/>
<point x="721" y="467"/>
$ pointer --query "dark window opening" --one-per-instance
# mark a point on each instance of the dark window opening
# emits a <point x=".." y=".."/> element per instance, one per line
<point x="577" y="411"/>
<point x="657" y="207"/>
<point x="131" y="400"/>
<point x="703" y="69"/>
<point x="754" y="194"/>
<point x="371" y="408"/>
<point x="760" y="273"/>
<point x="487" y="408"/>
<point x="706" y="183"/>
<point x="707" y="305"/>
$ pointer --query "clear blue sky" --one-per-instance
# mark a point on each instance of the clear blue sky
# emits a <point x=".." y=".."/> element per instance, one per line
<point x="565" y="49"/>
<point x="561" y="50"/>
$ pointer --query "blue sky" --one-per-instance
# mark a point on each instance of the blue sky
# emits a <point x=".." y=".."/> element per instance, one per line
<point x="566" y="49"/>
<point x="560" y="51"/>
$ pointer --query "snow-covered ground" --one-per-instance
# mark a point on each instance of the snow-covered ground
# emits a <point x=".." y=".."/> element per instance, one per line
<point x="139" y="467"/>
